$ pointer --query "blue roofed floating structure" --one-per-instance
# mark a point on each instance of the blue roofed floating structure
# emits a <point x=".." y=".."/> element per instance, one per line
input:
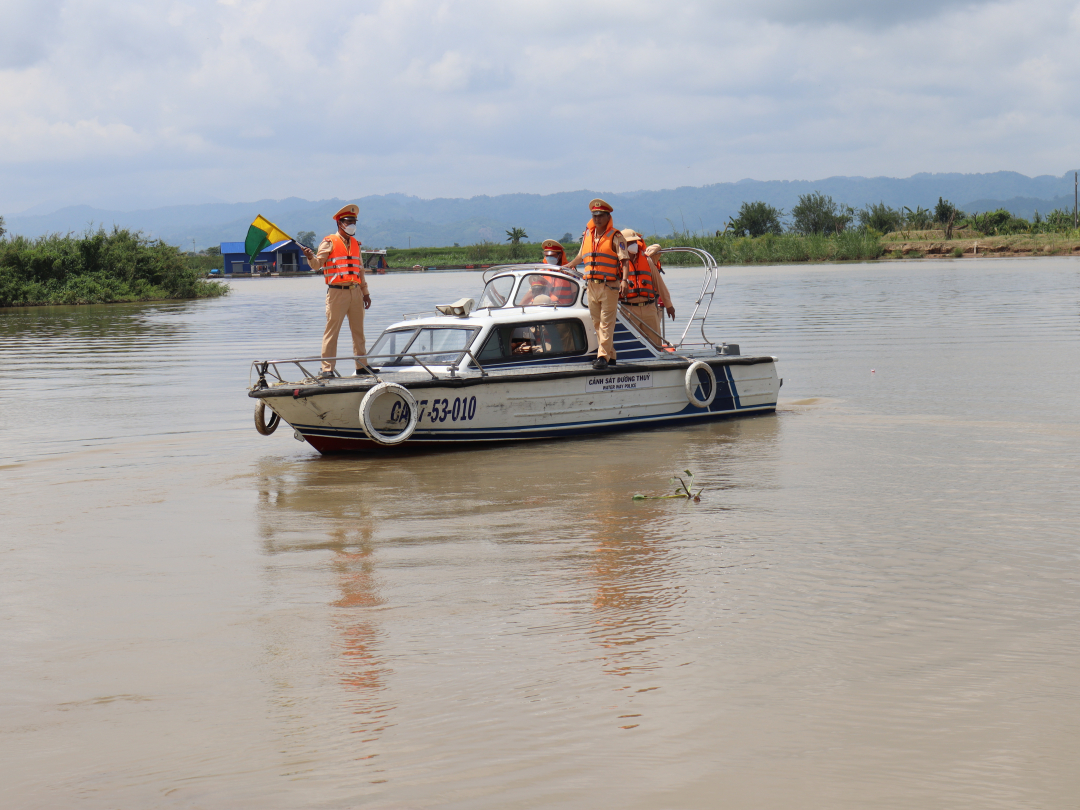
<point x="280" y="257"/>
<point x="284" y="257"/>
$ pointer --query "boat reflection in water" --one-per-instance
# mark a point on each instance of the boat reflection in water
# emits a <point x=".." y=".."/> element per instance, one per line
<point x="444" y="586"/>
<point x="350" y="646"/>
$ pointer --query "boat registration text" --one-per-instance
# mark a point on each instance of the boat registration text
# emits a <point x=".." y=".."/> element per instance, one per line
<point x="618" y="382"/>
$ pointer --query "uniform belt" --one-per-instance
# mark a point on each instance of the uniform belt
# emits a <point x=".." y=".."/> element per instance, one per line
<point x="642" y="304"/>
<point x="342" y="286"/>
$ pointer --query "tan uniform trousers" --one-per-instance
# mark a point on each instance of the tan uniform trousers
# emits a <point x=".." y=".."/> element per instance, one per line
<point x="339" y="304"/>
<point x="603" y="306"/>
<point x="647" y="321"/>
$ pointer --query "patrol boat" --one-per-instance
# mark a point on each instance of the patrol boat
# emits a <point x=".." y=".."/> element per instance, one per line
<point x="515" y="365"/>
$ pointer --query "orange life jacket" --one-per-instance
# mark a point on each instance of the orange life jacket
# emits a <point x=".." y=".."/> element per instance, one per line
<point x="562" y="290"/>
<point x="343" y="265"/>
<point x="659" y="269"/>
<point x="601" y="260"/>
<point x="640" y="286"/>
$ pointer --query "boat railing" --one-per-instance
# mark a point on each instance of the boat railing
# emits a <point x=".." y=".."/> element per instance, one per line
<point x="704" y="298"/>
<point x="269" y="373"/>
<point x="531" y="267"/>
<point x="658" y="339"/>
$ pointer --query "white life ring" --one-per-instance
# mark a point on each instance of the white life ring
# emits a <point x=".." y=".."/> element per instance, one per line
<point x="261" y="425"/>
<point x="692" y="383"/>
<point x="369" y="401"/>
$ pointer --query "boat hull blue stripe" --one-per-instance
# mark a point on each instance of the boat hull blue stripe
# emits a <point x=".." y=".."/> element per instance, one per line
<point x="688" y="414"/>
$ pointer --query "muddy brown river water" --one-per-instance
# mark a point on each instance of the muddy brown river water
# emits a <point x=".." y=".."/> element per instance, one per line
<point x="875" y="604"/>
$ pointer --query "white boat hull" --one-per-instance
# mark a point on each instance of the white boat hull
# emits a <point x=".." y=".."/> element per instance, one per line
<point x="570" y="400"/>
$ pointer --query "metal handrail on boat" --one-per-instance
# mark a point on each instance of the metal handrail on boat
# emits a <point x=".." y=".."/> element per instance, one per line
<point x="705" y="296"/>
<point x="266" y="368"/>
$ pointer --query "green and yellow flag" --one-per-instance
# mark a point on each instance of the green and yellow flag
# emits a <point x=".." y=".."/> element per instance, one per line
<point x="261" y="234"/>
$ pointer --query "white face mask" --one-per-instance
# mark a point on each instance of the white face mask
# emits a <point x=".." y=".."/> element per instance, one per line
<point x="551" y="260"/>
<point x="350" y="229"/>
<point x="632" y="247"/>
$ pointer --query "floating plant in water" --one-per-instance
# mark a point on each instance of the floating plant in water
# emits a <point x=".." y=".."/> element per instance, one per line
<point x="684" y="490"/>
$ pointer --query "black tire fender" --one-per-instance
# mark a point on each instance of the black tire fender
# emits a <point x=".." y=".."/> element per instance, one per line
<point x="264" y="427"/>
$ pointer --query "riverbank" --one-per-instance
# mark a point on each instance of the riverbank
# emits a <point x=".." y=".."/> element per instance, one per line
<point x="916" y="244"/>
<point x="469" y="257"/>
<point x="97" y="268"/>
<point x="770" y="249"/>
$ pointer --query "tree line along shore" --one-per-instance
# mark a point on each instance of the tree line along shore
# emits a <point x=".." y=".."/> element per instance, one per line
<point x="122" y="266"/>
<point x="817" y="229"/>
<point x="97" y="267"/>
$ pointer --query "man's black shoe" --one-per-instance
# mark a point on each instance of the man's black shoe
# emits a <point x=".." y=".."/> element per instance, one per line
<point x="612" y="362"/>
<point x="600" y="363"/>
<point x="326" y="375"/>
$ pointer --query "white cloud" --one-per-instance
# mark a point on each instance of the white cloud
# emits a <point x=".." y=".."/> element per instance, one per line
<point x="25" y="29"/>
<point x="153" y="101"/>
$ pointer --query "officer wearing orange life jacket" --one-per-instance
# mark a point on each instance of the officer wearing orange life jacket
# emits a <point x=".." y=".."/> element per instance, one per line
<point x="346" y="290"/>
<point x="603" y="249"/>
<point x="562" y="289"/>
<point x="645" y="287"/>
<point x="663" y="300"/>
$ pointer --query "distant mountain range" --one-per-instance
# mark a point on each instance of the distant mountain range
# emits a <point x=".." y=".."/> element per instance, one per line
<point x="399" y="220"/>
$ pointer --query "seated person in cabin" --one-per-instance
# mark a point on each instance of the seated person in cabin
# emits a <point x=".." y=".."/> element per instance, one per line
<point x="563" y="291"/>
<point x="525" y="340"/>
<point x="535" y="293"/>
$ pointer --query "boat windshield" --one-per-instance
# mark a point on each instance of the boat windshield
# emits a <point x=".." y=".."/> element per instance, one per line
<point x="391" y="343"/>
<point x="435" y="344"/>
<point x="496" y="293"/>
<point x="447" y="340"/>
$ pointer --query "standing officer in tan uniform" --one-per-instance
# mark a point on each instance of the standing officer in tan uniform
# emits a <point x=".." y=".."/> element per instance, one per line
<point x="346" y="290"/>
<point x="645" y="287"/>
<point x="603" y="250"/>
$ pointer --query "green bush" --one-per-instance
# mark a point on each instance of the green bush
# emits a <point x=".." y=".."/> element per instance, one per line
<point x="204" y="264"/>
<point x="98" y="267"/>
<point x="819" y="213"/>
<point x="1058" y="220"/>
<point x="881" y="218"/>
<point x="772" y="249"/>
<point x="757" y="219"/>
<point x="998" y="223"/>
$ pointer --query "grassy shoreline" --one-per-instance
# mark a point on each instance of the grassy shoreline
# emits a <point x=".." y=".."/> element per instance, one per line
<point x="122" y="267"/>
<point x="851" y="245"/>
<point x="98" y="267"/>
<point x="726" y="249"/>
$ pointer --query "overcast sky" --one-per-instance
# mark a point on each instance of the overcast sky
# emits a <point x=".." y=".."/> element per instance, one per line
<point x="129" y="104"/>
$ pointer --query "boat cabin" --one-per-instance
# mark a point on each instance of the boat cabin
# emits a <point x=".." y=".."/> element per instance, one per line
<point x="526" y="316"/>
